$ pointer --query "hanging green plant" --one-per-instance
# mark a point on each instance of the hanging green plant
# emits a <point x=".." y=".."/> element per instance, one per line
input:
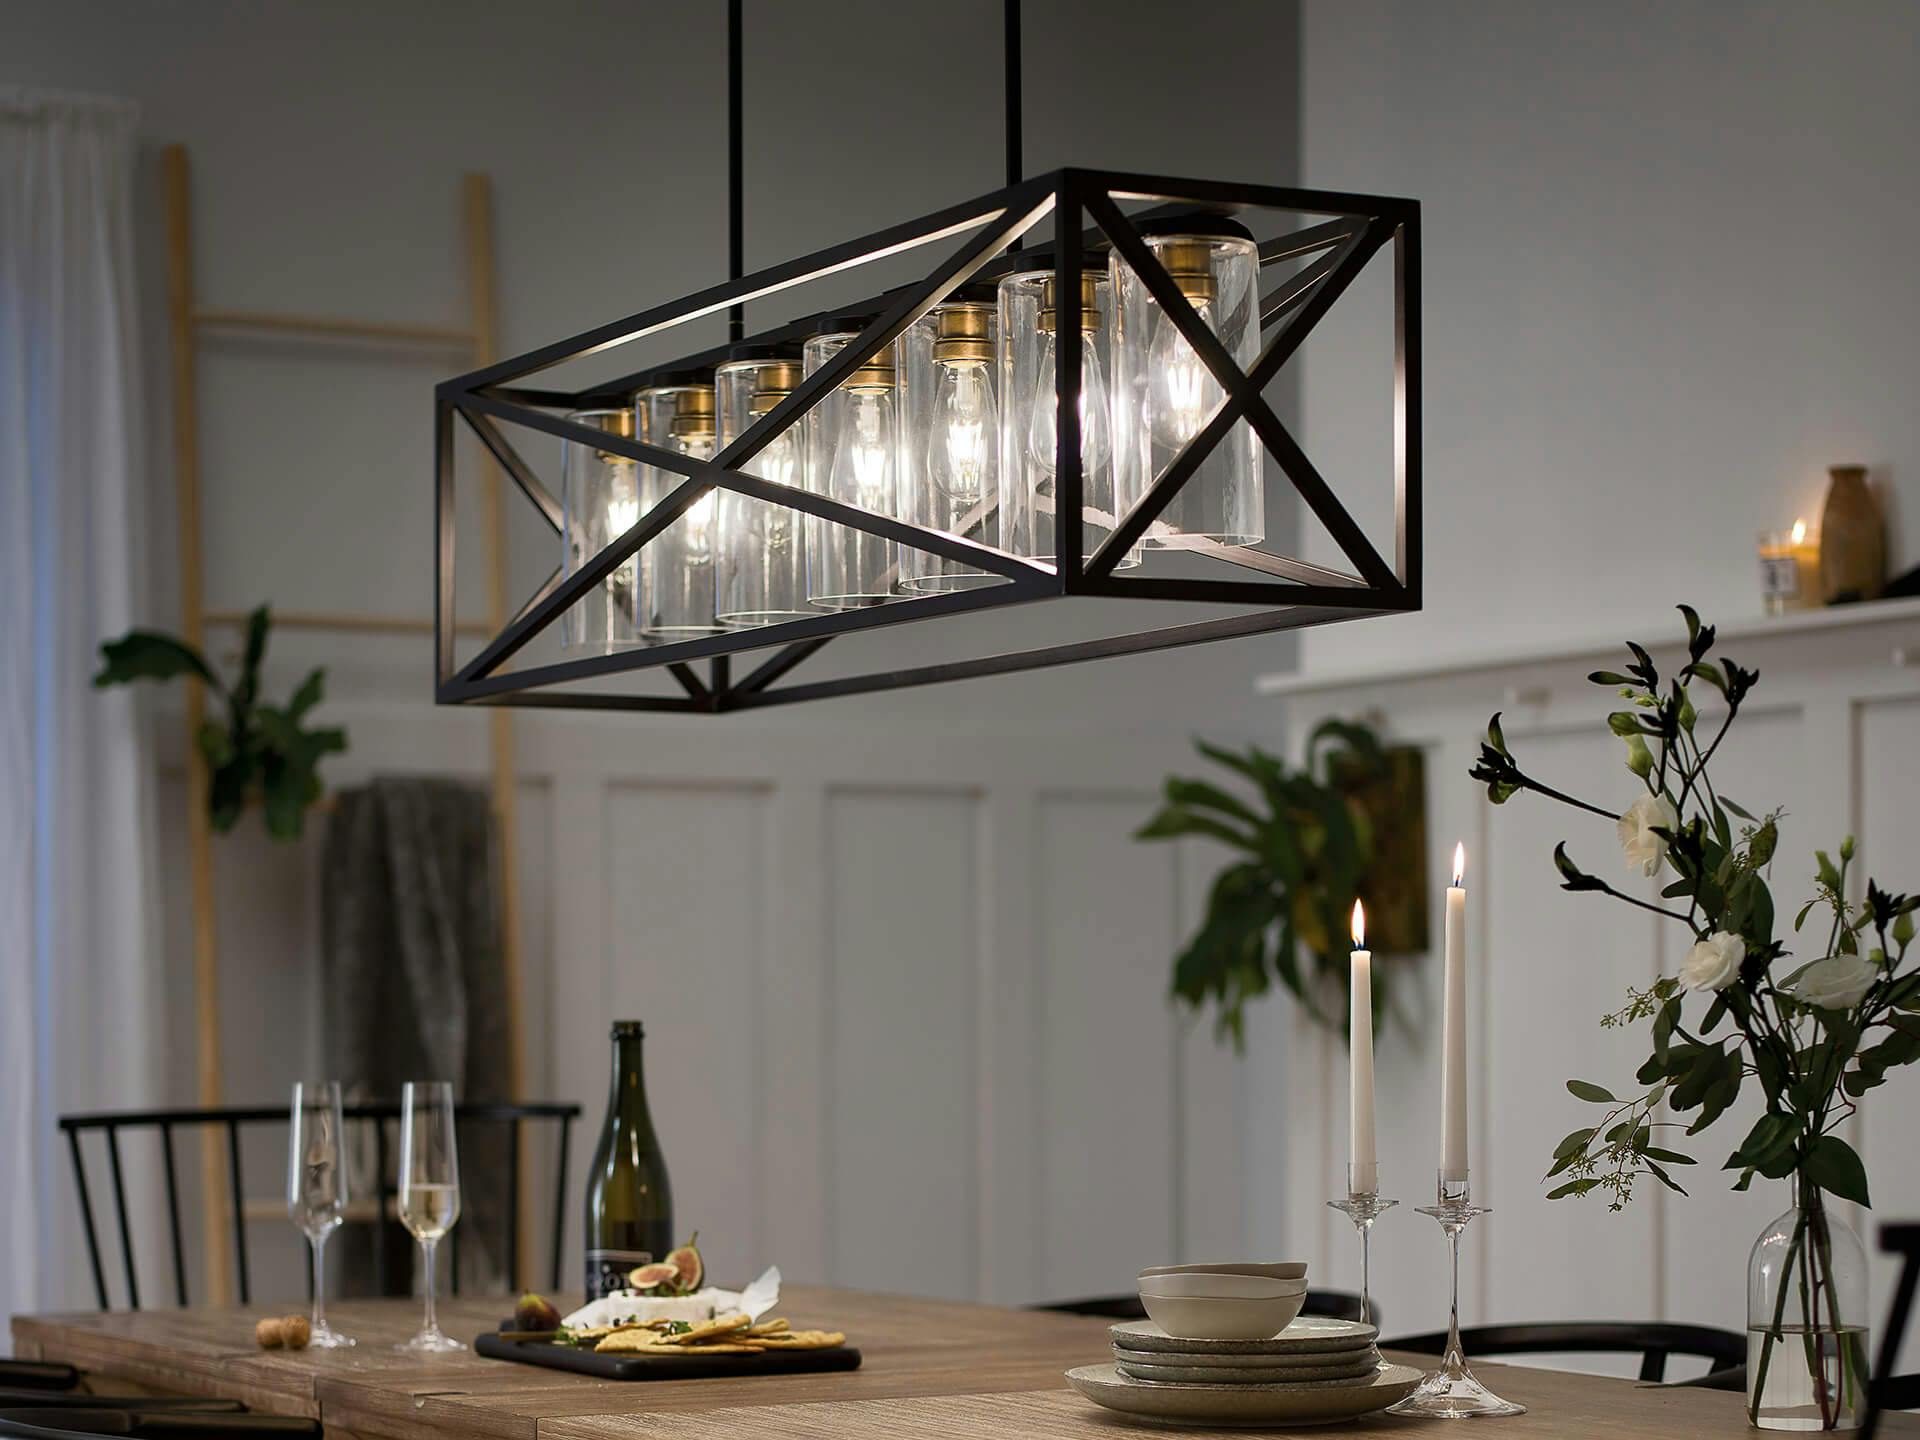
<point x="259" y="750"/>
<point x="1307" y="842"/>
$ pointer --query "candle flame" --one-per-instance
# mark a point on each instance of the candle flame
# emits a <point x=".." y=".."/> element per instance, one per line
<point x="1359" y="926"/>
<point x="1799" y="532"/>
<point x="1459" y="864"/>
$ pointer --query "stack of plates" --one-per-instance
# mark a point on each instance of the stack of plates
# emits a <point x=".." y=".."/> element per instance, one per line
<point x="1315" y="1371"/>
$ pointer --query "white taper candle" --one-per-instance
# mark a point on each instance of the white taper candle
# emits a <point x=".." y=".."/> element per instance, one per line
<point x="1453" y="1065"/>
<point x="1363" y="1176"/>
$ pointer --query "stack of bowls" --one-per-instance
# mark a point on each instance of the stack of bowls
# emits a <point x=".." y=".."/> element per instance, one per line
<point x="1225" y="1301"/>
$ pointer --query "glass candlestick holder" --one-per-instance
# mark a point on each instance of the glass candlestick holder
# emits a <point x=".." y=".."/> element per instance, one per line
<point x="1452" y="1392"/>
<point x="1362" y="1207"/>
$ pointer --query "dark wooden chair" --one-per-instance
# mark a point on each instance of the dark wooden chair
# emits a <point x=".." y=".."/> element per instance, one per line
<point x="1332" y="1304"/>
<point x="509" y="1116"/>
<point x="1725" y="1351"/>
<point x="40" y="1400"/>
<point x="1889" y="1391"/>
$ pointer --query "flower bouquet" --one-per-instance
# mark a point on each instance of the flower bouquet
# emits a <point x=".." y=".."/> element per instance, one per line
<point x="1815" y="1017"/>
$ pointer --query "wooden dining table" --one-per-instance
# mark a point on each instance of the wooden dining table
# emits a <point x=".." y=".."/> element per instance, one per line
<point x="931" y="1368"/>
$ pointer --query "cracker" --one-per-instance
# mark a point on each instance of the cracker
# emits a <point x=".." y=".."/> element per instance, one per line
<point x="629" y="1341"/>
<point x="802" y="1340"/>
<point x="714" y="1329"/>
<point x="769" y="1327"/>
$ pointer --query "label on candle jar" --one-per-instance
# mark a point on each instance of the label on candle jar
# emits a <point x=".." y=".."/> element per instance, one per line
<point x="1779" y="577"/>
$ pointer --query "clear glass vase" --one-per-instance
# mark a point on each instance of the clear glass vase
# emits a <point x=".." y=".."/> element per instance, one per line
<point x="1807" y="1362"/>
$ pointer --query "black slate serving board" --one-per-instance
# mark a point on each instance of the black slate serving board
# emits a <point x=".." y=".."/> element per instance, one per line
<point x="665" y="1367"/>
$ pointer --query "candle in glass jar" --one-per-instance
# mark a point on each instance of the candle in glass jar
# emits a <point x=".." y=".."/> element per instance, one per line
<point x="1363" y="1173"/>
<point x="1453" y="1048"/>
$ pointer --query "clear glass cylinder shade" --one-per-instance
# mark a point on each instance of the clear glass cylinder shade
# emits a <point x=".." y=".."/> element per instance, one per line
<point x="1028" y="348"/>
<point x="600" y="500"/>
<point x="1166" y="393"/>
<point x="853" y="445"/>
<point x="950" y="415"/>
<point x="762" y="547"/>
<point x="677" y="573"/>
<point x="1807" y="1321"/>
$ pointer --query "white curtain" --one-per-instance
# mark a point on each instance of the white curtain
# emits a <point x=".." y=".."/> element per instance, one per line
<point x="79" y="952"/>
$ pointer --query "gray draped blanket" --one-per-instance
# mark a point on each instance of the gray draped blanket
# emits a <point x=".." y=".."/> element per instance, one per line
<point x="415" y="989"/>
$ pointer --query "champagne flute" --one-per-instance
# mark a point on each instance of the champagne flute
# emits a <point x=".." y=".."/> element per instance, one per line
<point x="317" y="1187"/>
<point x="429" y="1188"/>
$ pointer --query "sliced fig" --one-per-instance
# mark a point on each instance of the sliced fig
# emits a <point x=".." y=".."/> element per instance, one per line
<point x="535" y="1312"/>
<point x="650" y="1277"/>
<point x="688" y="1266"/>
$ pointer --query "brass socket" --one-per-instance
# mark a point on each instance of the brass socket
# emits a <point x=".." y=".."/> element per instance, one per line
<point x="614" y="422"/>
<point x="1089" y="308"/>
<point x="876" y="374"/>
<point x="772" y="383"/>
<point x="1189" y="261"/>
<point x="693" y="414"/>
<point x="961" y="334"/>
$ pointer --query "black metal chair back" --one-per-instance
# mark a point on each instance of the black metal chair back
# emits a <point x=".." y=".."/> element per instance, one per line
<point x="511" y="1116"/>
<point x="1331" y="1304"/>
<point x="1725" y="1351"/>
<point x="159" y="1424"/>
<point x="1889" y="1391"/>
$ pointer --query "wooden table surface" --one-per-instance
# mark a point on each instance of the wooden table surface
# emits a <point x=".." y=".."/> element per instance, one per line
<point x="932" y="1368"/>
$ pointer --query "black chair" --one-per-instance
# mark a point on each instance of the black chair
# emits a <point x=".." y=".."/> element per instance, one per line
<point x="1331" y="1304"/>
<point x="234" y="1121"/>
<point x="153" y="1424"/>
<point x="41" y="1400"/>
<point x="1888" y="1391"/>
<point x="1725" y="1351"/>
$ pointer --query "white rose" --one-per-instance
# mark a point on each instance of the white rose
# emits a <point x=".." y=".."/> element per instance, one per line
<point x="1713" y="963"/>
<point x="1837" y="982"/>
<point x="1644" y="848"/>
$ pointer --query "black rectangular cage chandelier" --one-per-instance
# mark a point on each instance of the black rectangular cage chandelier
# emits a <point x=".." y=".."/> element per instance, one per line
<point x="933" y="450"/>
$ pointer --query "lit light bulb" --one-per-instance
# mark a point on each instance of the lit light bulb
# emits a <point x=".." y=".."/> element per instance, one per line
<point x="698" y="519"/>
<point x="966" y="429"/>
<point x="623" y="504"/>
<point x="1184" y="392"/>
<point x="863" y="461"/>
<point x="1043" y="432"/>
<point x="780" y="463"/>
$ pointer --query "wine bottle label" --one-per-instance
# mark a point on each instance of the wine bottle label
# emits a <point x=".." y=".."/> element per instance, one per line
<point x="607" y="1270"/>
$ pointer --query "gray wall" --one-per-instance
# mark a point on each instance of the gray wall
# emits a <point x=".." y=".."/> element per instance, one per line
<point x="1669" y="279"/>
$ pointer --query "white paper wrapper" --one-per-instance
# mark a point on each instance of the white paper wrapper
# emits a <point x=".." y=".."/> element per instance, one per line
<point x="705" y="1304"/>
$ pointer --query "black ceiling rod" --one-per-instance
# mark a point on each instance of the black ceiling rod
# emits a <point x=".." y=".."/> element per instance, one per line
<point x="736" y="169"/>
<point x="1011" y="85"/>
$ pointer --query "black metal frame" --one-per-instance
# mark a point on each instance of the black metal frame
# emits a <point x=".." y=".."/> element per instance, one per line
<point x="1888" y="1391"/>
<point x="1085" y="206"/>
<point x="233" y="1119"/>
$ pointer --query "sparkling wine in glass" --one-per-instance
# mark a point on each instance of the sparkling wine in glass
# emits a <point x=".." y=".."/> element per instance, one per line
<point x="429" y="1188"/>
<point x="317" y="1187"/>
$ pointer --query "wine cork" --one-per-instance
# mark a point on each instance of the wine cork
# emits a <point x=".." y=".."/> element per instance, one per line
<point x="270" y="1334"/>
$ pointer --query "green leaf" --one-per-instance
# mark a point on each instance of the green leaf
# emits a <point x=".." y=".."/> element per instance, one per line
<point x="1573" y="1144"/>
<point x="1494" y="738"/>
<point x="1671" y="1157"/>
<point x="1608" y="678"/>
<point x="308" y="695"/>
<point x="1662" y="1176"/>
<point x="1572" y="876"/>
<point x="148" y="655"/>
<point x="1829" y="876"/>
<point x="1591" y="1093"/>
<point x="1175" y="821"/>
<point x="1746" y="815"/>
<point x="1832" y="1165"/>
<point x="1572" y="1187"/>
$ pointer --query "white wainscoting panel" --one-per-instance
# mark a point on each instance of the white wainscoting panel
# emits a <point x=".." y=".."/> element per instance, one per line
<point x="903" y="930"/>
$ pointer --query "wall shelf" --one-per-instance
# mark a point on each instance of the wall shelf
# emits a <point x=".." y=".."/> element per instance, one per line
<point x="1666" y="629"/>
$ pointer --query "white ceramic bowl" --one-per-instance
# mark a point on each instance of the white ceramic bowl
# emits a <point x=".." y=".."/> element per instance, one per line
<point x="1210" y="1283"/>
<point x="1281" y="1270"/>
<point x="1192" y="1317"/>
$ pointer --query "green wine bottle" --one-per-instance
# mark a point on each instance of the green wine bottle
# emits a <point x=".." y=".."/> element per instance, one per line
<point x="629" y="1201"/>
